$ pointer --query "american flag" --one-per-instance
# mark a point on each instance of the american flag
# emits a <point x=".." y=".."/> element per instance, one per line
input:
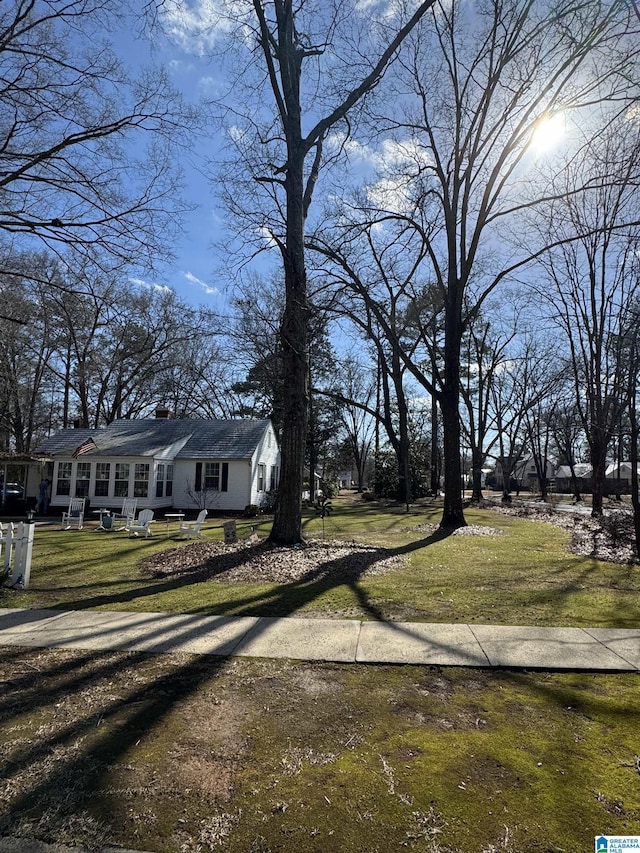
<point x="85" y="447"/>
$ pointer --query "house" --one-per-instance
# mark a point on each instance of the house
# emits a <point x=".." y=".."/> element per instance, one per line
<point x="524" y="474"/>
<point x="165" y="463"/>
<point x="345" y="479"/>
<point x="620" y="471"/>
<point x="583" y="474"/>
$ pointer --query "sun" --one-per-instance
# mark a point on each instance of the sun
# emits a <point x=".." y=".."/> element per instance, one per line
<point x="548" y="132"/>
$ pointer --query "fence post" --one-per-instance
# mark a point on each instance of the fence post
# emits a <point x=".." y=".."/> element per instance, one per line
<point x="22" y="557"/>
<point x="8" y="547"/>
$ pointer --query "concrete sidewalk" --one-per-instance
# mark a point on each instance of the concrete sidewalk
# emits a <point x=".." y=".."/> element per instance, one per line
<point x="339" y="640"/>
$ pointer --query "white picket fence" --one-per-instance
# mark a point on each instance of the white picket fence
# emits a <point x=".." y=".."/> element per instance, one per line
<point x="16" y="544"/>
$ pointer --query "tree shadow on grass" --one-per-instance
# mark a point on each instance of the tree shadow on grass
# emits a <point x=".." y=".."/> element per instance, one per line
<point x="283" y="599"/>
<point x="96" y="739"/>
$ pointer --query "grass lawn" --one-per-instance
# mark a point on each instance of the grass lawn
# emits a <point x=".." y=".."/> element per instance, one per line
<point x="178" y="754"/>
<point x="525" y="575"/>
<point x="186" y="754"/>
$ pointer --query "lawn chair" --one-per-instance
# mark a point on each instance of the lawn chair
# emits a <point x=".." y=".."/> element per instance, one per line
<point x="128" y="513"/>
<point x="74" y="516"/>
<point x="191" y="529"/>
<point x="142" y="525"/>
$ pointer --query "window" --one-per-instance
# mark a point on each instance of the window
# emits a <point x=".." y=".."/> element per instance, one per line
<point x="103" y="474"/>
<point x="63" y="484"/>
<point x="83" y="475"/>
<point x="212" y="476"/>
<point x="121" y="485"/>
<point x="160" y="480"/>
<point x="141" y="480"/>
<point x="216" y="477"/>
<point x="262" y="474"/>
<point x="164" y="480"/>
<point x="273" y="478"/>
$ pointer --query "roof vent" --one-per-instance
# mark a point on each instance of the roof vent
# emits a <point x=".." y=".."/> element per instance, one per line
<point x="163" y="414"/>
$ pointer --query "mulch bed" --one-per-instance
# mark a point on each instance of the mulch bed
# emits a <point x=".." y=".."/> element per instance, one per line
<point x="262" y="562"/>
<point x="610" y="538"/>
<point x="258" y="561"/>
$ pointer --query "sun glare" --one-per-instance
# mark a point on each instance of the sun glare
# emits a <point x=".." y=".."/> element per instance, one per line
<point x="548" y="132"/>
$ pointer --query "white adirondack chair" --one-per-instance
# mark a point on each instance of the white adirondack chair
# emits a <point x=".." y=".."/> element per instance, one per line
<point x="128" y="512"/>
<point x="142" y="525"/>
<point x="191" y="529"/>
<point x="74" y="516"/>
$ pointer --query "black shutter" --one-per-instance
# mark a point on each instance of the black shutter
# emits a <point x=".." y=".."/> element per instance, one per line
<point x="225" y="477"/>
<point x="198" y="486"/>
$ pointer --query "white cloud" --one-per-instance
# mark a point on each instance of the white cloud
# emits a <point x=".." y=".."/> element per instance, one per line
<point x="401" y="154"/>
<point x="208" y="289"/>
<point x="267" y="236"/>
<point x="152" y="285"/>
<point x="392" y="194"/>
<point x="355" y="151"/>
<point x="197" y="25"/>
<point x="210" y="86"/>
<point x="405" y="154"/>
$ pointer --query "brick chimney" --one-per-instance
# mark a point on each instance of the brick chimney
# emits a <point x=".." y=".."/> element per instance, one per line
<point x="163" y="414"/>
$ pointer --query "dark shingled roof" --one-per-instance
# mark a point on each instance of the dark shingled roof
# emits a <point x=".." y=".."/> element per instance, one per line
<point x="180" y="439"/>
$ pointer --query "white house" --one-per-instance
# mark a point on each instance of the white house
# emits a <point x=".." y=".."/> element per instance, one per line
<point x="165" y="463"/>
<point x="620" y="471"/>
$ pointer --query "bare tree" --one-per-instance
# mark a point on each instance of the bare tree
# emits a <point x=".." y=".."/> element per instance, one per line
<point x="484" y="83"/>
<point x="373" y="275"/>
<point x="359" y="390"/>
<point x="101" y="349"/>
<point x="483" y="356"/>
<point x="591" y="289"/>
<point x="68" y="111"/>
<point x="301" y="51"/>
<point x="27" y="342"/>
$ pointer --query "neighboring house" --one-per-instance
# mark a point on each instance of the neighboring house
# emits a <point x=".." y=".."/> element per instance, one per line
<point x="618" y="478"/>
<point x="186" y="464"/>
<point x="306" y="491"/>
<point x="620" y="471"/>
<point x="345" y="479"/>
<point x="583" y="472"/>
<point x="524" y="473"/>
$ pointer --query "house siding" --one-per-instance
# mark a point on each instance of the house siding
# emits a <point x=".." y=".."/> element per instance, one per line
<point x="235" y="498"/>
<point x="204" y="446"/>
<point x="266" y="454"/>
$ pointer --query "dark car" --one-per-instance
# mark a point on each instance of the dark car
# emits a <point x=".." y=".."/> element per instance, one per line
<point x="13" y="490"/>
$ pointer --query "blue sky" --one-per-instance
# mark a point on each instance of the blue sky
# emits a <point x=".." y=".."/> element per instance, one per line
<point x="193" y="31"/>
<point x="200" y="274"/>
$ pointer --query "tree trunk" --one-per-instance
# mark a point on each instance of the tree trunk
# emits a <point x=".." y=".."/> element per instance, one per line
<point x="435" y="438"/>
<point x="449" y="398"/>
<point x="404" y="466"/>
<point x="599" y="467"/>
<point x="477" y="461"/>
<point x="452" y="511"/>
<point x="574" y="482"/>
<point x="287" y="522"/>
<point x="633" y="451"/>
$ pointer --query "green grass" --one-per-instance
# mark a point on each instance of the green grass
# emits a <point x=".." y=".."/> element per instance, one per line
<point x="174" y="753"/>
<point x="523" y="576"/>
<point x="193" y="754"/>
